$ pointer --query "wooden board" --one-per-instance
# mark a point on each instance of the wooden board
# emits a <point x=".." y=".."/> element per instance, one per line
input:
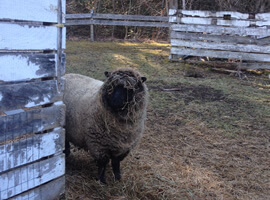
<point x="25" y="66"/>
<point x="27" y="177"/>
<point x="222" y="46"/>
<point x="220" y="30"/>
<point x="17" y="152"/>
<point x="203" y="13"/>
<point x="263" y="16"/>
<point x="117" y="16"/>
<point x="115" y="23"/>
<point x="27" y="95"/>
<point x="49" y="191"/>
<point x="222" y="64"/>
<point x="32" y="10"/>
<point x="19" y="125"/>
<point x="219" y="38"/>
<point x="221" y="54"/>
<point x="27" y="37"/>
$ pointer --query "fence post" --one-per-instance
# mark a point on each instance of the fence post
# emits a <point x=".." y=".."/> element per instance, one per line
<point x="184" y="4"/>
<point x="92" y="37"/>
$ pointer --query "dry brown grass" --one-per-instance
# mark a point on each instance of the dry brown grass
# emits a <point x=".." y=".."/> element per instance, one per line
<point x="207" y="138"/>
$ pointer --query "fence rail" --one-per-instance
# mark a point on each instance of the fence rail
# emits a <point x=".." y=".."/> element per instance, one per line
<point x="222" y="35"/>
<point x="116" y="20"/>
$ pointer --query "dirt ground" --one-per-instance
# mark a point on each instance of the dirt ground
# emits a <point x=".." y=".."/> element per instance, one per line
<point x="206" y="137"/>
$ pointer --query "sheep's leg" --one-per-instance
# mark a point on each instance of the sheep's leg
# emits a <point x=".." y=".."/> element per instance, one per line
<point x="67" y="148"/>
<point x="116" y="168"/>
<point x="102" y="164"/>
<point x="116" y="165"/>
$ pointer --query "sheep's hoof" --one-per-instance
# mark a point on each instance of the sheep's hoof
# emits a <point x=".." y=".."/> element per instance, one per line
<point x="102" y="180"/>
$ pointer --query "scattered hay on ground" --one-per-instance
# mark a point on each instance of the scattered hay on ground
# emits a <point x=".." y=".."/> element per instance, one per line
<point x="205" y="138"/>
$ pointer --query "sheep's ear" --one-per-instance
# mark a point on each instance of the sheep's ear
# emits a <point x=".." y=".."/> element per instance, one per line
<point x="143" y="79"/>
<point x="107" y="74"/>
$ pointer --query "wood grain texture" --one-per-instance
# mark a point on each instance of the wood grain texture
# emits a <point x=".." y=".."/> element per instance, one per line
<point x="222" y="64"/>
<point x="48" y="191"/>
<point x="221" y="54"/>
<point x="222" y="46"/>
<point x="219" y="38"/>
<point x="117" y="16"/>
<point x="220" y="30"/>
<point x="27" y="177"/>
<point x="26" y="95"/>
<point x="24" y="150"/>
<point x="19" y="125"/>
<point x="115" y="23"/>
<point x="262" y="16"/>
<point x="26" y="66"/>
<point x="31" y="10"/>
<point x="27" y="37"/>
<point x="201" y="13"/>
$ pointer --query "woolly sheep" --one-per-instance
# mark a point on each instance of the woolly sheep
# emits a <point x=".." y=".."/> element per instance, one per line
<point x="106" y="118"/>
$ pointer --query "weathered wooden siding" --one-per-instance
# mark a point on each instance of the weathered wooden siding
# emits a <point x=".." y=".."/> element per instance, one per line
<point x="32" y="113"/>
<point x="224" y="34"/>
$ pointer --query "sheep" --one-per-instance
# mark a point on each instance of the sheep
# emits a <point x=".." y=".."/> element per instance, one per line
<point x="106" y="118"/>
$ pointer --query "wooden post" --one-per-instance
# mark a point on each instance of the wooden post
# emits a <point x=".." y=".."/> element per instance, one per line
<point x="184" y="4"/>
<point x="92" y="37"/>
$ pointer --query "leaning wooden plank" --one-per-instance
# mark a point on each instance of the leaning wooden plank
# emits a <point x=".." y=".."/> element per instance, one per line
<point x="48" y="191"/>
<point x="200" y="13"/>
<point x="15" y="127"/>
<point x="116" y="23"/>
<point x="26" y="95"/>
<point x="30" y="176"/>
<point x="14" y="153"/>
<point x="26" y="37"/>
<point x="220" y="30"/>
<point x="221" y="54"/>
<point x="218" y="38"/>
<point x="116" y="16"/>
<point x="45" y="11"/>
<point x="24" y="66"/>
<point x="222" y="46"/>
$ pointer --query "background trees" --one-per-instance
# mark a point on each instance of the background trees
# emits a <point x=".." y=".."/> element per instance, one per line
<point x="153" y="8"/>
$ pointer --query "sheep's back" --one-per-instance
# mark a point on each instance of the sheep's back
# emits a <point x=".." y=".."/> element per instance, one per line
<point x="80" y="97"/>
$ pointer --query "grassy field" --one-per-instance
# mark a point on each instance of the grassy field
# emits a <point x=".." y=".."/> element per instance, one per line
<point x="205" y="138"/>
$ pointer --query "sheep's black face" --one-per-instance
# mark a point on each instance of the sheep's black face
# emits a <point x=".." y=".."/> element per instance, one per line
<point x="119" y="98"/>
<point x="123" y="90"/>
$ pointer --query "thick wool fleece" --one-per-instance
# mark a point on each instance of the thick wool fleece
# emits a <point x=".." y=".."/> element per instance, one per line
<point x="92" y="125"/>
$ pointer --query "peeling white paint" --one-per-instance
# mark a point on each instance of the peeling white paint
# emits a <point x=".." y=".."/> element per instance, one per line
<point x="40" y="128"/>
<point x="16" y="67"/>
<point x="58" y="103"/>
<point x="33" y="104"/>
<point x="32" y="10"/>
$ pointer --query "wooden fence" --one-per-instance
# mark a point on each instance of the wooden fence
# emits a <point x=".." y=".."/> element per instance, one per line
<point x="226" y="35"/>
<point x="32" y="114"/>
<point x="115" y="20"/>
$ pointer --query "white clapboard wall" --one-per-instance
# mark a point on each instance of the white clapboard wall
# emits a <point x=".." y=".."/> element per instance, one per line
<point x="32" y="113"/>
<point x="223" y="35"/>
